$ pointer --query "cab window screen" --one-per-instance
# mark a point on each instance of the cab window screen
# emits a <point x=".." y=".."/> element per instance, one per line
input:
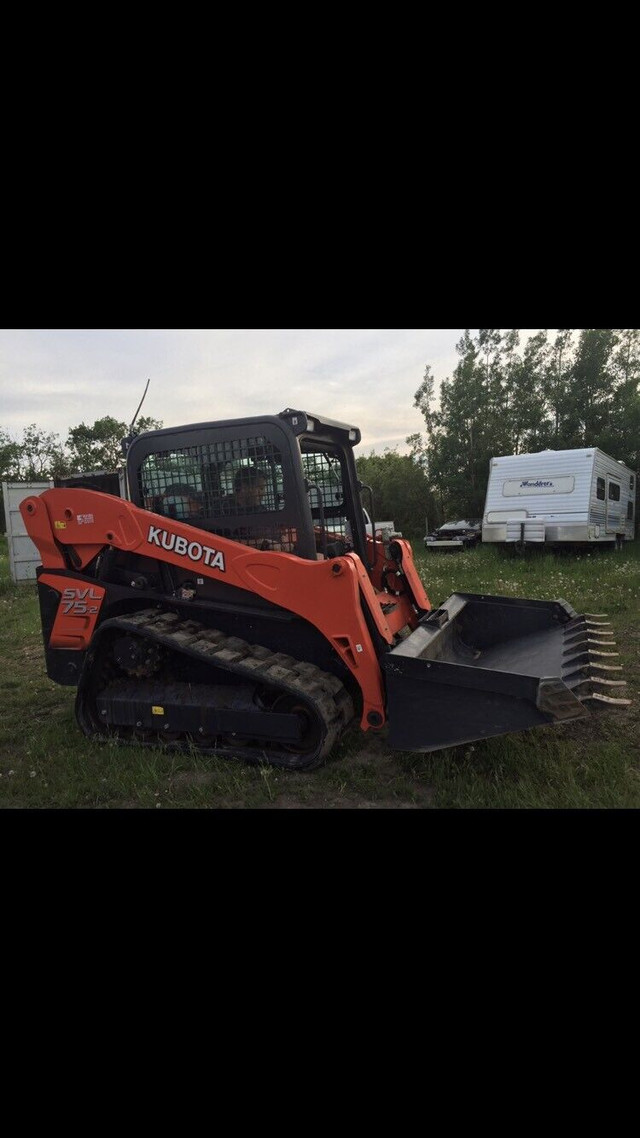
<point x="213" y="480"/>
<point x="323" y="470"/>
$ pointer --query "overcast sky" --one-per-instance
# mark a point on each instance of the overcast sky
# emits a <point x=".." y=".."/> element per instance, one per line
<point x="366" y="377"/>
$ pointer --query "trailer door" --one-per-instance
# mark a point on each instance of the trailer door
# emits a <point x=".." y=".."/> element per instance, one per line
<point x="613" y="518"/>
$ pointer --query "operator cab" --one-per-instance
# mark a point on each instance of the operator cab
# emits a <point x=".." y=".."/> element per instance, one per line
<point x="285" y="482"/>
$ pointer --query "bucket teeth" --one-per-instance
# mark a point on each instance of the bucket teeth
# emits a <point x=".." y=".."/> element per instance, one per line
<point x="591" y="669"/>
<point x="591" y="683"/>
<point x="586" y="624"/>
<point x="609" y="700"/>
<point x="591" y="647"/>
<point x="590" y="652"/>
<point x="586" y="638"/>
<point x="588" y="660"/>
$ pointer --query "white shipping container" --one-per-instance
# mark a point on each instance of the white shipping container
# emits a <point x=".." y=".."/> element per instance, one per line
<point x="580" y="496"/>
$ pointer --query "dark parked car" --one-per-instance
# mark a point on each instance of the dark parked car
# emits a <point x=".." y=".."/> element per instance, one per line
<point x="463" y="534"/>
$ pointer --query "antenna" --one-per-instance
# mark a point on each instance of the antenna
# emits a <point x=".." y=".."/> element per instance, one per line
<point x="139" y="406"/>
<point x="126" y="443"/>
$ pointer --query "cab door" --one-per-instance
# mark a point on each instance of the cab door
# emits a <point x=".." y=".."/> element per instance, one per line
<point x="613" y="518"/>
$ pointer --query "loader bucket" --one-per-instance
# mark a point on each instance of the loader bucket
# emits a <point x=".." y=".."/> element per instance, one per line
<point x="481" y="666"/>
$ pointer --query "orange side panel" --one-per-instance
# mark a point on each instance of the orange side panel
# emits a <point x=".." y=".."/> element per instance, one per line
<point x="78" y="610"/>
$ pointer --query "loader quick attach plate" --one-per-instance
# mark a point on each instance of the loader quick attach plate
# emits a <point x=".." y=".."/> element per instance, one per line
<point x="480" y="666"/>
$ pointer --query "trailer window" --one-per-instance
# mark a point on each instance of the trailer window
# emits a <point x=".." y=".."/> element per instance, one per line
<point x="629" y="511"/>
<point x="600" y="489"/>
<point x="614" y="492"/>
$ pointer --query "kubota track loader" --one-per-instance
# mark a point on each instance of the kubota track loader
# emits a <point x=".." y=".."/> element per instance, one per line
<point x="235" y="602"/>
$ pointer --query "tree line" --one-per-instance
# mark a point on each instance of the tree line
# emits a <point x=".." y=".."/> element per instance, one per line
<point x="39" y="455"/>
<point x="573" y="388"/>
<point x="576" y="388"/>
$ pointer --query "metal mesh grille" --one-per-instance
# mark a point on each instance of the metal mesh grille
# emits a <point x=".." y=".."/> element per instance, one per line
<point x="325" y="472"/>
<point x="236" y="488"/>
<point x="218" y="484"/>
<point x="221" y="479"/>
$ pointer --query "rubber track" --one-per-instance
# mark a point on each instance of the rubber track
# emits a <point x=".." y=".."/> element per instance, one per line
<point x="328" y="697"/>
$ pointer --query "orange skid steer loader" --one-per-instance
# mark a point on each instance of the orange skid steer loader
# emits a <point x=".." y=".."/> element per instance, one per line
<point x="234" y="601"/>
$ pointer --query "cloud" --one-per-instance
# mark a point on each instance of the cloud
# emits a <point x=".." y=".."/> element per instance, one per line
<point x="58" y="378"/>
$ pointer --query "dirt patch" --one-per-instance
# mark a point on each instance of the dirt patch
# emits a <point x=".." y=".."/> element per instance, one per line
<point x="193" y="778"/>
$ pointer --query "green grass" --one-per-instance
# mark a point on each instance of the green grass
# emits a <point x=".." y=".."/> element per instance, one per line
<point x="46" y="762"/>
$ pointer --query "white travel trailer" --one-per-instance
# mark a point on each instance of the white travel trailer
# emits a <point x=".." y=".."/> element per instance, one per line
<point x="557" y="497"/>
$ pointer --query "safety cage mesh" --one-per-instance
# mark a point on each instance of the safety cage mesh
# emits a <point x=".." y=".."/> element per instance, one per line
<point x="236" y="488"/>
<point x="323" y="472"/>
<point x="215" y="483"/>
